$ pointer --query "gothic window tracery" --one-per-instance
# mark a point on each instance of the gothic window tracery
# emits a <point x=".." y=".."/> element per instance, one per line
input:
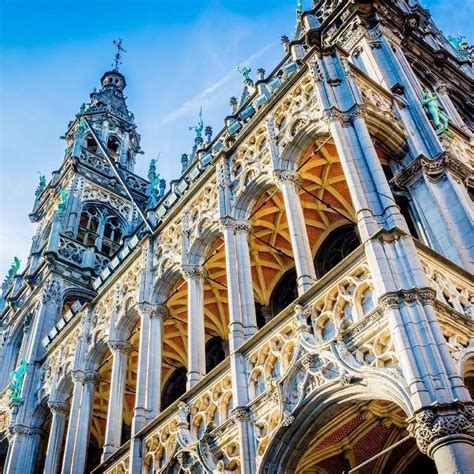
<point x="337" y="246"/>
<point x="100" y="227"/>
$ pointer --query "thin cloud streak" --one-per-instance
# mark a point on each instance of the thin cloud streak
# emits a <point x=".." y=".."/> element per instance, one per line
<point x="197" y="101"/>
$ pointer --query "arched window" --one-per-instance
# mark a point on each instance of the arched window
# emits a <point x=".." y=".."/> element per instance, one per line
<point x="91" y="144"/>
<point x="174" y="387"/>
<point x="285" y="292"/>
<point x="100" y="227"/>
<point x="113" y="144"/>
<point x="337" y="246"/>
<point x="215" y="353"/>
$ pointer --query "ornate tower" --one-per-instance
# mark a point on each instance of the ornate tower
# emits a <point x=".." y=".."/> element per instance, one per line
<point x="90" y="209"/>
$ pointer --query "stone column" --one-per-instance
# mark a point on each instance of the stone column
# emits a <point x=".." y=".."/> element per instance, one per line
<point x="155" y="358"/>
<point x="77" y="377"/>
<point x="236" y="328"/>
<point x="241" y="306"/>
<point x="244" y="266"/>
<point x="79" y="456"/>
<point x="56" y="436"/>
<point x="113" y="433"/>
<point x="194" y="275"/>
<point x="289" y="183"/>
<point x="139" y="412"/>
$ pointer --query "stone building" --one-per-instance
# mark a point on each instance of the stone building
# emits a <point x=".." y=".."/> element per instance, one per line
<point x="299" y="300"/>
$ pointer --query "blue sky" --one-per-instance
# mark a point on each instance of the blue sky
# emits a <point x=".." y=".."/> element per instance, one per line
<point x="180" y="55"/>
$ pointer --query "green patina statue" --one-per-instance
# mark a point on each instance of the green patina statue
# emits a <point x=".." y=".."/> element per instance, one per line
<point x="16" y="384"/>
<point x="462" y="47"/>
<point x="154" y="186"/>
<point x="200" y="125"/>
<point x="245" y="71"/>
<point x="15" y="266"/>
<point x="62" y="204"/>
<point x="438" y="115"/>
<point x="299" y="9"/>
<point x="457" y="42"/>
<point x="41" y="185"/>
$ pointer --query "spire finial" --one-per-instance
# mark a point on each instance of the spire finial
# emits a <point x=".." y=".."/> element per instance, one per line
<point x="117" y="62"/>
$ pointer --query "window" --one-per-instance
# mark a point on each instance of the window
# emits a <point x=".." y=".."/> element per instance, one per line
<point x="174" y="387"/>
<point x="215" y="353"/>
<point x="100" y="227"/>
<point x="113" y="144"/>
<point x="337" y="246"/>
<point x="91" y="144"/>
<point x="285" y="292"/>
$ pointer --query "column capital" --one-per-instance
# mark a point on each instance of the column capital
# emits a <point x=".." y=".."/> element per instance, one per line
<point x="429" y="427"/>
<point x="345" y="118"/>
<point x="58" y="407"/>
<point x="160" y="310"/>
<point x="193" y="271"/>
<point x="226" y="223"/>
<point x="120" y="346"/>
<point x="287" y="176"/>
<point x="242" y="225"/>
<point x="86" y="377"/>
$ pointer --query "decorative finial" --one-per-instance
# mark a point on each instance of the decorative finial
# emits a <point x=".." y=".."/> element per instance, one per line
<point x="200" y="125"/>
<point x="233" y="104"/>
<point x="184" y="162"/>
<point x="245" y="72"/>
<point x="117" y="62"/>
<point x="208" y="133"/>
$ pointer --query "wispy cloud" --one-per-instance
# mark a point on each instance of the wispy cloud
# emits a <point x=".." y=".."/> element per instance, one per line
<point x="194" y="103"/>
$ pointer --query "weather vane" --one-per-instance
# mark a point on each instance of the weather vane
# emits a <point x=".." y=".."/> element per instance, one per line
<point x="117" y="62"/>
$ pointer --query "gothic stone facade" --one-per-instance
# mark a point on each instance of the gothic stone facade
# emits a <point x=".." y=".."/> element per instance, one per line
<point x="299" y="300"/>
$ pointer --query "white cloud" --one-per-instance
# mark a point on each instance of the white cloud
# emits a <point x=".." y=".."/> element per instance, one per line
<point x="193" y="104"/>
